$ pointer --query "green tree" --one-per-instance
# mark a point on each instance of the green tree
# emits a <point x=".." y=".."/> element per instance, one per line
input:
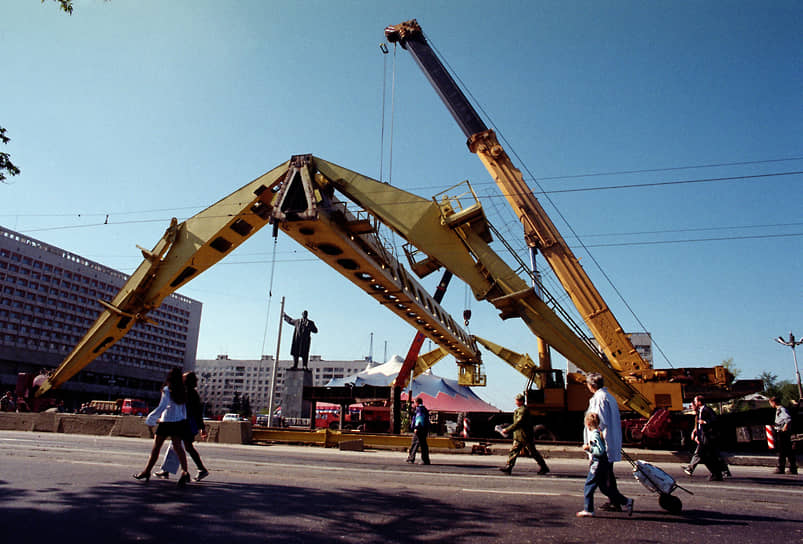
<point x="6" y="166"/>
<point x="770" y="381"/>
<point x="65" y="5"/>
<point x="785" y="390"/>
<point x="732" y="368"/>
<point x="236" y="403"/>
<point x="246" y="410"/>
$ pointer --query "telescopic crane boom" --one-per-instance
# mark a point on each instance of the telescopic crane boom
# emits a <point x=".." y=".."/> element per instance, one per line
<point x="539" y="231"/>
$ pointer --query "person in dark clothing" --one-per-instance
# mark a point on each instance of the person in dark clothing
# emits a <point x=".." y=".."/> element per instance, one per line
<point x="705" y="435"/>
<point x="420" y="428"/>
<point x="195" y="422"/>
<point x="783" y="438"/>
<point x="522" y="429"/>
<point x="301" y="337"/>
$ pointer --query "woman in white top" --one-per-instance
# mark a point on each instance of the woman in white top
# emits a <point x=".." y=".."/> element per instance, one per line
<point x="171" y="416"/>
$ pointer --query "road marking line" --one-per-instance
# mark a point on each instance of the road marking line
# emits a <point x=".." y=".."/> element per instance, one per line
<point x="97" y="463"/>
<point x="502" y="492"/>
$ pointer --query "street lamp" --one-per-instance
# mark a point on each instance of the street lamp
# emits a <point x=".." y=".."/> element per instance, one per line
<point x="792" y="343"/>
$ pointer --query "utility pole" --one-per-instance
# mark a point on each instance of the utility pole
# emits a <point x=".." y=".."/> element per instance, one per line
<point x="275" y="366"/>
<point x="792" y="344"/>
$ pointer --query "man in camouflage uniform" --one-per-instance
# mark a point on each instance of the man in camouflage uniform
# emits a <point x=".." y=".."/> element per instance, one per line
<point x="522" y="428"/>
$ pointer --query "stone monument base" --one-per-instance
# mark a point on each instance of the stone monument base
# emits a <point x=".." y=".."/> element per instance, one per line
<point x="293" y="403"/>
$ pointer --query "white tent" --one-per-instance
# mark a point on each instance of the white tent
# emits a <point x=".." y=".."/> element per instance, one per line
<point x="440" y="394"/>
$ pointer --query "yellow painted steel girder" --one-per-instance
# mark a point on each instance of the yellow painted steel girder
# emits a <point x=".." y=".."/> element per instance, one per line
<point x="185" y="250"/>
<point x="522" y="362"/>
<point x="462" y="247"/>
<point x="428" y="360"/>
<point x="307" y="210"/>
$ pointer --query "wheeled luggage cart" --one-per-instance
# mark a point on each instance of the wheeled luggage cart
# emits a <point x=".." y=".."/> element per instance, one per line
<point x="657" y="481"/>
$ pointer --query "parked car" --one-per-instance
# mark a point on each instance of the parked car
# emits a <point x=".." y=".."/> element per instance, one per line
<point x="232" y="417"/>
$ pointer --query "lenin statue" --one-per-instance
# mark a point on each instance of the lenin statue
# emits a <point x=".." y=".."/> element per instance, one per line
<point x="301" y="338"/>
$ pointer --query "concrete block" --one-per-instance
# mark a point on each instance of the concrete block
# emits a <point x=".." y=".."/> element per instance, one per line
<point x="12" y="421"/>
<point x="212" y="431"/>
<point x="131" y="426"/>
<point x="352" y="445"/>
<point x="46" y="422"/>
<point x="234" y="432"/>
<point x="86" y="424"/>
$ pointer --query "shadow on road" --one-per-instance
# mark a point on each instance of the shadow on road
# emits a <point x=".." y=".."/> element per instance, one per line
<point x="242" y="513"/>
<point x="707" y="518"/>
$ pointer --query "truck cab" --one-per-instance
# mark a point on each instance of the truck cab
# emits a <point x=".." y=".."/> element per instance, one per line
<point x="134" y="407"/>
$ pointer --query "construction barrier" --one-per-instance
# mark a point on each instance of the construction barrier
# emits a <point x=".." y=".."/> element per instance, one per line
<point x="227" y="432"/>
<point x="333" y="439"/>
<point x="770" y="436"/>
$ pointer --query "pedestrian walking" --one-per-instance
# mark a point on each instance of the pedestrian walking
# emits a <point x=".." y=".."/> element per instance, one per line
<point x="598" y="466"/>
<point x="420" y="428"/>
<point x="604" y="405"/>
<point x="196" y="424"/>
<point x="696" y="458"/>
<point x="705" y="435"/>
<point x="783" y="438"/>
<point x="523" y="440"/>
<point x="171" y="417"/>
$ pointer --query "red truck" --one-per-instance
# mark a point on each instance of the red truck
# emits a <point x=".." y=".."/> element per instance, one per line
<point x="359" y="417"/>
<point x="134" y="407"/>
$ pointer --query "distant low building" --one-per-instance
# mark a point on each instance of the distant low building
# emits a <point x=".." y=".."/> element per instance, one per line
<point x="48" y="301"/>
<point x="219" y="379"/>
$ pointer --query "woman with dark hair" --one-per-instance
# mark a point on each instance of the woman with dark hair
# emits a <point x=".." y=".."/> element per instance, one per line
<point x="171" y="415"/>
<point x="196" y="423"/>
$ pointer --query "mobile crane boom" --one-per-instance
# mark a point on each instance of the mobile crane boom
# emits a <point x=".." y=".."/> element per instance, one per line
<point x="539" y="231"/>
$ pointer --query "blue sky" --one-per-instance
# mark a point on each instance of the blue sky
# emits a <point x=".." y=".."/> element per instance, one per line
<point x="147" y="110"/>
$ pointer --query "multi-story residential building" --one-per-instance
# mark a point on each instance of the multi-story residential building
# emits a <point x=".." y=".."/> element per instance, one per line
<point x="49" y="299"/>
<point x="221" y="378"/>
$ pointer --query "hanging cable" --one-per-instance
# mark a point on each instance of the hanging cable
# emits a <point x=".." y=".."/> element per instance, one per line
<point x="467" y="305"/>
<point x="549" y="199"/>
<point x="392" y="116"/>
<point x="384" y="48"/>
<point x="270" y="289"/>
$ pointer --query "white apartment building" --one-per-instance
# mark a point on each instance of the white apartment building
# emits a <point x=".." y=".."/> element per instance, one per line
<point x="49" y="299"/>
<point x="219" y="379"/>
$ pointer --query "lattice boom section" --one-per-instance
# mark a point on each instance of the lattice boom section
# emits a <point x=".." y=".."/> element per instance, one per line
<point x="381" y="276"/>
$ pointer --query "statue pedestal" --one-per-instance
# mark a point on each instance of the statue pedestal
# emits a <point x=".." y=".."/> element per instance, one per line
<point x="293" y="403"/>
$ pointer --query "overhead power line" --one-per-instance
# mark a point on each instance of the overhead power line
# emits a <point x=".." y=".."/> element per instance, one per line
<point x="667" y="169"/>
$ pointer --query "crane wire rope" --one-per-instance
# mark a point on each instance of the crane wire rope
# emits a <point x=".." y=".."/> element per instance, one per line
<point x="392" y="115"/>
<point x="549" y="199"/>
<point x="384" y="49"/>
<point x="390" y="133"/>
<point x="270" y="298"/>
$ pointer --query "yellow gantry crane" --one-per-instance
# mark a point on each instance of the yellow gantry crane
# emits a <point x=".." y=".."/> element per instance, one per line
<point x="313" y="201"/>
<point x="299" y="199"/>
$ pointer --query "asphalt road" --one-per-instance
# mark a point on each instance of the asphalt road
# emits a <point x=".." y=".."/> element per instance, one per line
<point x="65" y="489"/>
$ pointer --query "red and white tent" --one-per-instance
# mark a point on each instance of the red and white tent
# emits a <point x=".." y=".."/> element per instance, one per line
<point x="439" y="394"/>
